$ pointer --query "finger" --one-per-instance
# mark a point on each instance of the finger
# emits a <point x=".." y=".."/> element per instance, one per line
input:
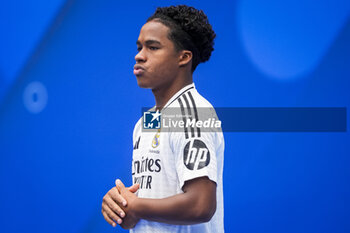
<point x="114" y="207"/>
<point x="108" y="219"/>
<point x="117" y="197"/>
<point x="111" y="214"/>
<point x="134" y="188"/>
<point x="119" y="184"/>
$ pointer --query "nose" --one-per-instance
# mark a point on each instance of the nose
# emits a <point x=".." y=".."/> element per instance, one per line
<point x="140" y="56"/>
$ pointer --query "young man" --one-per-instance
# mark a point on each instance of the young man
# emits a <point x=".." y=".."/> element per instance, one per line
<point x="177" y="174"/>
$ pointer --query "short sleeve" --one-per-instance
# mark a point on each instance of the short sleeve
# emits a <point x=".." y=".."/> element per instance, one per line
<point x="195" y="156"/>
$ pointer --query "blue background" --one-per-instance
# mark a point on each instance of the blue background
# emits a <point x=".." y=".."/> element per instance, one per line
<point x="57" y="162"/>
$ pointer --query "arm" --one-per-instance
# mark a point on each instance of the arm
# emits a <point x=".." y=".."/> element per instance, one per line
<point x="196" y="205"/>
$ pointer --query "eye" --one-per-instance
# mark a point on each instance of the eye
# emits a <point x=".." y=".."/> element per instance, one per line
<point x="153" y="48"/>
<point x="139" y="49"/>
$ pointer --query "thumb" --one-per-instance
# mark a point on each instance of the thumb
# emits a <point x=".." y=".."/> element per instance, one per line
<point x="134" y="188"/>
<point x="119" y="184"/>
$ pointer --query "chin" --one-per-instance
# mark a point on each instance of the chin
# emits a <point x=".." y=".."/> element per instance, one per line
<point x="142" y="84"/>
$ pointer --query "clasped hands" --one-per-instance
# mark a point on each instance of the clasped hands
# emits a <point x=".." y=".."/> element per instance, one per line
<point x="118" y="205"/>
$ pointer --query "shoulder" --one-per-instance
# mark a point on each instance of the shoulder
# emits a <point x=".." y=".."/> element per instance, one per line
<point x="191" y="99"/>
<point x="197" y="113"/>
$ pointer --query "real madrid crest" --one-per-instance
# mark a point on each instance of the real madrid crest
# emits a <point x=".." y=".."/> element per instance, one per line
<point x="155" y="141"/>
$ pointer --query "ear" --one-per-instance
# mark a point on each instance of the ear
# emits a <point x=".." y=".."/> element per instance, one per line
<point x="185" y="57"/>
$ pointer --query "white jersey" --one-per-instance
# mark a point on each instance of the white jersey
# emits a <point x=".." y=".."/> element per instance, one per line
<point x="163" y="162"/>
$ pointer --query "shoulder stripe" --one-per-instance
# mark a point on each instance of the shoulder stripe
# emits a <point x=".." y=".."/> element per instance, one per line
<point x="195" y="111"/>
<point x="189" y="113"/>
<point x="192" y="113"/>
<point x="183" y="116"/>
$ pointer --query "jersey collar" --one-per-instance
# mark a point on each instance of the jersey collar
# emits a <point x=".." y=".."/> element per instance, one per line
<point x="179" y="93"/>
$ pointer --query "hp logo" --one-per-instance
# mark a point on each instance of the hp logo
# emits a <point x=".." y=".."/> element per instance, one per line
<point x="196" y="155"/>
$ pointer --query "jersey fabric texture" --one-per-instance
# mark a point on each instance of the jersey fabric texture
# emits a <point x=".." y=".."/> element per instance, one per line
<point x="163" y="161"/>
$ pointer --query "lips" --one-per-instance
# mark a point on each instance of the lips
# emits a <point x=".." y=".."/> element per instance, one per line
<point x="138" y="70"/>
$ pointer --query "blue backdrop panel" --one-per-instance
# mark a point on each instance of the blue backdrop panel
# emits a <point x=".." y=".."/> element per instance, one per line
<point x="66" y="118"/>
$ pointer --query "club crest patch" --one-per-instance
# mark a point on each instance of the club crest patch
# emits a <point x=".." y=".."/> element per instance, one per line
<point x="155" y="141"/>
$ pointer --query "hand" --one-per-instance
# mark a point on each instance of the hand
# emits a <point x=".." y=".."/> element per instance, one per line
<point x="112" y="202"/>
<point x="131" y="219"/>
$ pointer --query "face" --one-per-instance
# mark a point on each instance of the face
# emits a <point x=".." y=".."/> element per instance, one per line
<point x="157" y="61"/>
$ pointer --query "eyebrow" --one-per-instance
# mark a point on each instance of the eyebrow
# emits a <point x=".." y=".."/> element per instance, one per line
<point x="149" y="42"/>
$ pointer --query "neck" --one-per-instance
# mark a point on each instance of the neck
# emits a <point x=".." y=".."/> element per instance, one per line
<point x="164" y="94"/>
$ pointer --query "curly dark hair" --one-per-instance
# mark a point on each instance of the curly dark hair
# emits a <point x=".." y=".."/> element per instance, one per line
<point x="189" y="30"/>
